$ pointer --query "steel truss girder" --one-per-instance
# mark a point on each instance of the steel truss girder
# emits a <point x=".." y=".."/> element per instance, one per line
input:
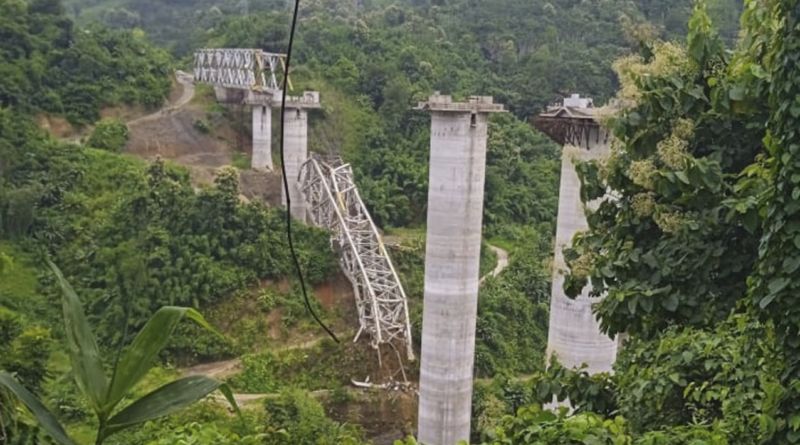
<point x="244" y="69"/>
<point x="334" y="203"/>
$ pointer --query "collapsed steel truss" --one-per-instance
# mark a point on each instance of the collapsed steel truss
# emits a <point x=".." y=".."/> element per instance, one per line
<point x="246" y="69"/>
<point x="334" y="203"/>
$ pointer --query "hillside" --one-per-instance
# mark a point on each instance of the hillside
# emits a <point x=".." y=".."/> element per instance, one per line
<point x="145" y="211"/>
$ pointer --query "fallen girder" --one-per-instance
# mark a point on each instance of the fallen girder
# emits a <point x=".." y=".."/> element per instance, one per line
<point x="334" y="203"/>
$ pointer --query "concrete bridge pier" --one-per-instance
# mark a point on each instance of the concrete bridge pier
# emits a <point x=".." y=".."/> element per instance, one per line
<point x="262" y="138"/>
<point x="296" y="147"/>
<point x="452" y="257"/>
<point x="574" y="334"/>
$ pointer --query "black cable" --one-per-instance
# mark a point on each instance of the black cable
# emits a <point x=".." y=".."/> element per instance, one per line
<point x="286" y="180"/>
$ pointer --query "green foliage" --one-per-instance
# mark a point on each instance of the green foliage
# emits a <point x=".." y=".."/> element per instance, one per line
<point x="325" y="365"/>
<point x="51" y="66"/>
<point x="5" y="262"/>
<point x="488" y="260"/>
<point x="202" y="424"/>
<point x="511" y="330"/>
<point x="305" y="422"/>
<point x="521" y="164"/>
<point x="369" y="87"/>
<point x="103" y="395"/>
<point x="240" y="160"/>
<point x="583" y="392"/>
<point x="728" y="376"/>
<point x="143" y="233"/>
<point x="677" y="242"/>
<point x="205" y="434"/>
<point x="774" y="284"/>
<point x="533" y="425"/>
<point x="24" y="350"/>
<point x="109" y="134"/>
<point x="696" y="244"/>
<point x="201" y="126"/>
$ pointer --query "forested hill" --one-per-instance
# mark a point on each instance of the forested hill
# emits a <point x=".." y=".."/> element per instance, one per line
<point x="696" y="245"/>
<point x="524" y="52"/>
<point x="49" y="65"/>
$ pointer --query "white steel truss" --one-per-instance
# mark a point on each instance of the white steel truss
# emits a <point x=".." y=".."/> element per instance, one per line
<point x="334" y="203"/>
<point x="246" y="69"/>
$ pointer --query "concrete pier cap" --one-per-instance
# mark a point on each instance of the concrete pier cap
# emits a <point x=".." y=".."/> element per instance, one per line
<point x="475" y="104"/>
<point x="309" y="100"/>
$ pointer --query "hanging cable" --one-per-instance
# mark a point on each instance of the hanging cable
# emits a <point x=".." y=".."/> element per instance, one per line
<point x="286" y="180"/>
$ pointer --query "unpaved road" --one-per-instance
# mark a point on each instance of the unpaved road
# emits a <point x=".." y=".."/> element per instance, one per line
<point x="186" y="96"/>
<point x="502" y="262"/>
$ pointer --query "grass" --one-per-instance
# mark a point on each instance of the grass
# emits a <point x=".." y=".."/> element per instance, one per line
<point x="404" y="232"/>
<point x="19" y="285"/>
<point x="503" y="243"/>
<point x="240" y="160"/>
<point x="325" y="365"/>
<point x="488" y="260"/>
<point x="203" y="94"/>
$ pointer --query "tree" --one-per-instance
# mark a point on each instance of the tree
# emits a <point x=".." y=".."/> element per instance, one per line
<point x="694" y="245"/>
<point x="774" y="285"/>
<point x="104" y="395"/>
<point x="109" y="134"/>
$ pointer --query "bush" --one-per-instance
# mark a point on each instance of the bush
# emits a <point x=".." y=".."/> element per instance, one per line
<point x="532" y="425"/>
<point x="306" y="423"/>
<point x="202" y="126"/>
<point x="110" y="135"/>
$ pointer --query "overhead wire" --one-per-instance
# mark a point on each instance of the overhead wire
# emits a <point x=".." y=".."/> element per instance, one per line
<point x="286" y="179"/>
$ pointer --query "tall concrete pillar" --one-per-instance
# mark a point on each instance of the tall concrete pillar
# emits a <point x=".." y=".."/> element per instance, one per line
<point x="295" y="153"/>
<point x="295" y="146"/>
<point x="452" y="257"/>
<point x="262" y="137"/>
<point x="574" y="333"/>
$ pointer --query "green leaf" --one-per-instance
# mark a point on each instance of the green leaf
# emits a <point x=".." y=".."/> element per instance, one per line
<point x="647" y="304"/>
<point x="164" y="401"/>
<point x="545" y="417"/>
<point x="791" y="264"/>
<point x="650" y="259"/>
<point x="778" y="285"/>
<point x="766" y="301"/>
<point x="45" y="418"/>
<point x="675" y="377"/>
<point x="736" y="93"/>
<point x="226" y="391"/>
<point x="83" y="353"/>
<point x="794" y="421"/>
<point x="543" y="389"/>
<point x="682" y="176"/>
<point x="670" y="303"/>
<point x="141" y="355"/>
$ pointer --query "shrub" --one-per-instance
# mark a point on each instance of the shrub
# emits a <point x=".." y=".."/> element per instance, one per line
<point x="110" y="135"/>
<point x="202" y="126"/>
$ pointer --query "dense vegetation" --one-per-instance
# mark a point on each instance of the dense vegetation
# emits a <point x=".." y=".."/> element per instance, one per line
<point x="696" y="250"/>
<point x="48" y="65"/>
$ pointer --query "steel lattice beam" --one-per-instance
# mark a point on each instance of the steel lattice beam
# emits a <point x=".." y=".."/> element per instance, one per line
<point x="334" y="203"/>
<point x="244" y="69"/>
